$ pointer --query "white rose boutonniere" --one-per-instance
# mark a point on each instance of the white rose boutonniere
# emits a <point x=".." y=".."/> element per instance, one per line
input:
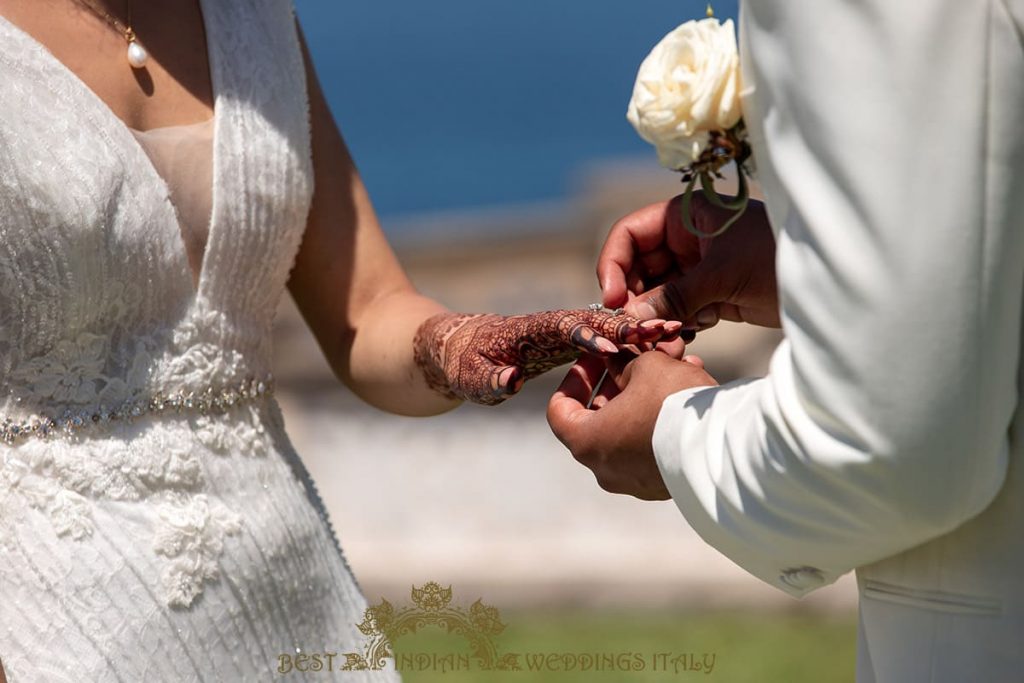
<point x="686" y="103"/>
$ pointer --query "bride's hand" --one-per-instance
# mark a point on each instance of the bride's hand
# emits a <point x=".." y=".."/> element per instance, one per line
<point x="486" y="358"/>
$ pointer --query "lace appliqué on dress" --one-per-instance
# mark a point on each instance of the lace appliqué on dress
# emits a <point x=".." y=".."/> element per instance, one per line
<point x="68" y="374"/>
<point x="155" y="459"/>
<point x="75" y="372"/>
<point x="61" y="479"/>
<point x="192" y="535"/>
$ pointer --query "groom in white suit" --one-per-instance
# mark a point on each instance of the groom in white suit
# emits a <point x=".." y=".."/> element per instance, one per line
<point x="888" y="436"/>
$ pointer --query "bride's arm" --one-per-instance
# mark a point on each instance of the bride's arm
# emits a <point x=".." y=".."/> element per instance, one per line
<point x="349" y="285"/>
<point x="370" y="321"/>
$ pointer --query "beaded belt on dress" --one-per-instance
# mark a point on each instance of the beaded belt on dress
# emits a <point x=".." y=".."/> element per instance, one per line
<point x="209" y="400"/>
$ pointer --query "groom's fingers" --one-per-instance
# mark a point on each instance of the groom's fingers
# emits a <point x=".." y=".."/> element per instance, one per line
<point x="609" y="386"/>
<point x="646" y="244"/>
<point x="567" y="411"/>
<point x="683" y="298"/>
<point x="656" y="265"/>
<point x="586" y="374"/>
<point x="676" y="347"/>
<point x="640" y="232"/>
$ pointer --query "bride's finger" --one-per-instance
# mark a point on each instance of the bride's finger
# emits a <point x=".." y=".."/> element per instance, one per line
<point x="587" y="339"/>
<point x="484" y="382"/>
<point x="508" y="379"/>
<point x="625" y="329"/>
<point x="659" y="330"/>
<point x="672" y="330"/>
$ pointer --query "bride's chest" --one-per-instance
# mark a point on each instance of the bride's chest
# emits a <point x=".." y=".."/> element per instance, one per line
<point x="89" y="237"/>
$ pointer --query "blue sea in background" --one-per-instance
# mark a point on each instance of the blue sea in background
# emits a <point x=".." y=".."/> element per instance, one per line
<point x="453" y="104"/>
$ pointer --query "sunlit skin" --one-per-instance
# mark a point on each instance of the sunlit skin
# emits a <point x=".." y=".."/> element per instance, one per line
<point x="653" y="267"/>
<point x="648" y="257"/>
<point x="486" y="358"/>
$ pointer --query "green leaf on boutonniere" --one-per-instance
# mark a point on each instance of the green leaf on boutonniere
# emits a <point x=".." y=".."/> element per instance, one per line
<point x="737" y="205"/>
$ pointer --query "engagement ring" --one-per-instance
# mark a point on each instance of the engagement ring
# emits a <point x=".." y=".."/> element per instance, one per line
<point x="601" y="307"/>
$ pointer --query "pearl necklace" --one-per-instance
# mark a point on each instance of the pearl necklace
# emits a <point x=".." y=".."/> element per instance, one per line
<point x="137" y="55"/>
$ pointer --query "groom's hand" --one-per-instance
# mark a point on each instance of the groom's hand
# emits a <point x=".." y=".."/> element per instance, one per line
<point x="653" y="267"/>
<point x="613" y="437"/>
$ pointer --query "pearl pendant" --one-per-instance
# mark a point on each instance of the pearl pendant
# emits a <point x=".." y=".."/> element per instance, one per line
<point x="137" y="55"/>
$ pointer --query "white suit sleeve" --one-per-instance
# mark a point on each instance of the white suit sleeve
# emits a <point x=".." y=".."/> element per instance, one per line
<point x="887" y="136"/>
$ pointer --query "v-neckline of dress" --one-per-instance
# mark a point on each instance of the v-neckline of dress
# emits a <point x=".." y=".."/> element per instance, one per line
<point x="196" y="284"/>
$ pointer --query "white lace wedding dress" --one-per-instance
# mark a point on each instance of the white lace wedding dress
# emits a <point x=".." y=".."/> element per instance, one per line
<point x="155" y="522"/>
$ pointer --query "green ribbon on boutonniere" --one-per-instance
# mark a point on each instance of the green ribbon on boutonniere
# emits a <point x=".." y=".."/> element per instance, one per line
<point x="707" y="186"/>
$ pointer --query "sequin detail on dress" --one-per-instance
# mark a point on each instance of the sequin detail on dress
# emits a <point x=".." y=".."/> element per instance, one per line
<point x="75" y="422"/>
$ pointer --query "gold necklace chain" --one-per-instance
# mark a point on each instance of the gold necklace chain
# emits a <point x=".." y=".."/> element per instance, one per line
<point x="124" y="29"/>
<point x="137" y="55"/>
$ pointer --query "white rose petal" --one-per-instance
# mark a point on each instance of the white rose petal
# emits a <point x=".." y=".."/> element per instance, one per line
<point x="687" y="87"/>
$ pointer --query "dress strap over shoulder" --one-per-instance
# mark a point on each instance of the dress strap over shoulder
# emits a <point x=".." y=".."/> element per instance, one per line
<point x="262" y="191"/>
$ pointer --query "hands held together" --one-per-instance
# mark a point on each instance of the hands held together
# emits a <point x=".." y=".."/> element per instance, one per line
<point x="654" y="268"/>
<point x="668" y="282"/>
<point x="486" y="358"/>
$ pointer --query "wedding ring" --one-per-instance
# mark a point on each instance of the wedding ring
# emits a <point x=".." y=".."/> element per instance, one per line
<point x="610" y="311"/>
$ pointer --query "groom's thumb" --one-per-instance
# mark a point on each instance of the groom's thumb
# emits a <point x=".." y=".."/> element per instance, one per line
<point x="680" y="299"/>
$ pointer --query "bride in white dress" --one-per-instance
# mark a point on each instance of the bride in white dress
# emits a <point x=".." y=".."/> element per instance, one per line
<point x="155" y="522"/>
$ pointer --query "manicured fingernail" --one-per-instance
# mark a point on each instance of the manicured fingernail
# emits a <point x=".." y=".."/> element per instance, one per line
<point x="671" y="326"/>
<point x="507" y="377"/>
<point x="606" y="345"/>
<point x="652" y="324"/>
<point x="642" y="310"/>
<point x="688" y="335"/>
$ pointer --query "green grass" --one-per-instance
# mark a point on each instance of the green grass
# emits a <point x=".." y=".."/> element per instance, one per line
<point x="747" y="647"/>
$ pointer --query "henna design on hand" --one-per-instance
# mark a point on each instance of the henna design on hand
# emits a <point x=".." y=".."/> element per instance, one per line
<point x="485" y="358"/>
